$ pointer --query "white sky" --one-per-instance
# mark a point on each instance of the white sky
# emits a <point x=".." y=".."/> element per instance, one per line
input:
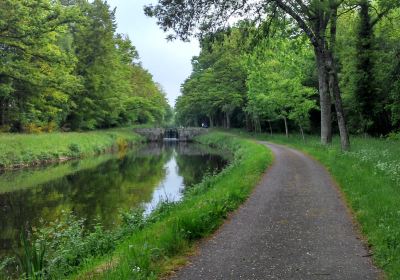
<point x="168" y="62"/>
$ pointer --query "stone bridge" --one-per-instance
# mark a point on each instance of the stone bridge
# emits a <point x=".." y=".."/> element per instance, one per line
<point x="185" y="134"/>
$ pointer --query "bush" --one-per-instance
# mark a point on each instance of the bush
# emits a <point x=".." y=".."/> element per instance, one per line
<point x="32" y="128"/>
<point x="5" y="128"/>
<point x="75" y="150"/>
<point x="122" y="144"/>
<point x="50" y="127"/>
<point x="68" y="244"/>
<point x="393" y="136"/>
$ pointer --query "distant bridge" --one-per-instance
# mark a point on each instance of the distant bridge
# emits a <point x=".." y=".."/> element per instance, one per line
<point x="175" y="134"/>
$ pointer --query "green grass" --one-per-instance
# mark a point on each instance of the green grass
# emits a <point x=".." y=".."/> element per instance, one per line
<point x="369" y="176"/>
<point x="163" y="243"/>
<point x="17" y="150"/>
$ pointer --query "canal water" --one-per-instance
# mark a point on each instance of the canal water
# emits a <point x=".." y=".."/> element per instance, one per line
<point x="98" y="189"/>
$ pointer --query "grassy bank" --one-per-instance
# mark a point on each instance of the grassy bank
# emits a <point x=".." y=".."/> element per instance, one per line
<point x="369" y="176"/>
<point x="19" y="150"/>
<point x="161" y="241"/>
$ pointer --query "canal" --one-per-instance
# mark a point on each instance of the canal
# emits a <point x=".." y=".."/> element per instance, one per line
<point x="99" y="189"/>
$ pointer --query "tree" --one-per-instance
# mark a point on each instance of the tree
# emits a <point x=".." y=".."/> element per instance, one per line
<point x="62" y="65"/>
<point x="98" y="104"/>
<point x="147" y="102"/>
<point x="366" y="92"/>
<point x="218" y="81"/>
<point x="276" y="73"/>
<point x="366" y="51"/>
<point x="317" y="19"/>
<point x="36" y="73"/>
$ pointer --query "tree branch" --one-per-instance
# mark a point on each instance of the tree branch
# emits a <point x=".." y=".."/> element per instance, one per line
<point x="303" y="25"/>
<point x="380" y="16"/>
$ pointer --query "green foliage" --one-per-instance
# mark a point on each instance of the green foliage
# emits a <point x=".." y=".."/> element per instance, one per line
<point x="32" y="259"/>
<point x="37" y="73"/>
<point x="68" y="244"/>
<point x="367" y="49"/>
<point x="3" y="265"/>
<point x="239" y="77"/>
<point x="64" y="66"/>
<point x="217" y="87"/>
<point x="275" y="81"/>
<point x="61" y="247"/>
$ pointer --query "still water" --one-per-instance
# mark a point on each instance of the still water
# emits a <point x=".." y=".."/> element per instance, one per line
<point x="100" y="188"/>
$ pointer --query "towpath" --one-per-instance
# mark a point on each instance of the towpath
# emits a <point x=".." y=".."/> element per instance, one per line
<point x="294" y="226"/>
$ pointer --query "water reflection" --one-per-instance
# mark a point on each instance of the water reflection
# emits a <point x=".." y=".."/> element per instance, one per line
<point x="100" y="188"/>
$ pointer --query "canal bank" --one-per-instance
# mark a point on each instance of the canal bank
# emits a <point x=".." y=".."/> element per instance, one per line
<point x="163" y="241"/>
<point x="147" y="246"/>
<point x="97" y="196"/>
<point x="24" y="150"/>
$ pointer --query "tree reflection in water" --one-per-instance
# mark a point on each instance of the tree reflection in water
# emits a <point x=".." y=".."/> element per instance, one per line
<point x="100" y="188"/>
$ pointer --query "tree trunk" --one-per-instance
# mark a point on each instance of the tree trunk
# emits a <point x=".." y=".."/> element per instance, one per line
<point x="334" y="84"/>
<point x="3" y="113"/>
<point x="302" y="133"/>
<point x="228" y="121"/>
<point x="325" y="99"/>
<point x="270" y="127"/>
<point x="257" y="126"/>
<point x="211" y="121"/>
<point x="248" y="122"/>
<point x="335" y="90"/>
<point x="286" y="127"/>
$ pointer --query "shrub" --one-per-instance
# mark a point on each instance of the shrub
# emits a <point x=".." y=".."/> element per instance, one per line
<point x="5" y="128"/>
<point x="122" y="144"/>
<point x="50" y="127"/>
<point x="393" y="136"/>
<point x="75" y="150"/>
<point x="32" y="128"/>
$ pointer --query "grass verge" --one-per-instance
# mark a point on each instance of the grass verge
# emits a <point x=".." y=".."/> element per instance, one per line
<point x="369" y="176"/>
<point x="20" y="150"/>
<point x="162" y="244"/>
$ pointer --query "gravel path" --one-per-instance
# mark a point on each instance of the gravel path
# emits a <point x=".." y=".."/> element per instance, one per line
<point x="294" y="226"/>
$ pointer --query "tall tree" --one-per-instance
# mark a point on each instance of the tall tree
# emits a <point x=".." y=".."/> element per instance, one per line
<point x="316" y="18"/>
<point x="36" y="73"/>
<point x="218" y="81"/>
<point x="367" y="94"/>
<point x="275" y="81"/>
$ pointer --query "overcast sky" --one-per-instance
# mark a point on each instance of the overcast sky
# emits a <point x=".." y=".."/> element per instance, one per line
<point x="168" y="62"/>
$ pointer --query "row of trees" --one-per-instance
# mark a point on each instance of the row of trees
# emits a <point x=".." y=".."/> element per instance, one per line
<point x="347" y="51"/>
<point x="63" y="65"/>
<point x="249" y="82"/>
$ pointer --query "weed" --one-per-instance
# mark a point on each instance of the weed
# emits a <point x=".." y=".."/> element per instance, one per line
<point x="74" y="149"/>
<point x="32" y="259"/>
<point x="3" y="267"/>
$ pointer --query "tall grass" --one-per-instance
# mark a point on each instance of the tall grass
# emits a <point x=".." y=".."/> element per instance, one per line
<point x="17" y="150"/>
<point x="171" y="230"/>
<point x="369" y="176"/>
<point x="32" y="259"/>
